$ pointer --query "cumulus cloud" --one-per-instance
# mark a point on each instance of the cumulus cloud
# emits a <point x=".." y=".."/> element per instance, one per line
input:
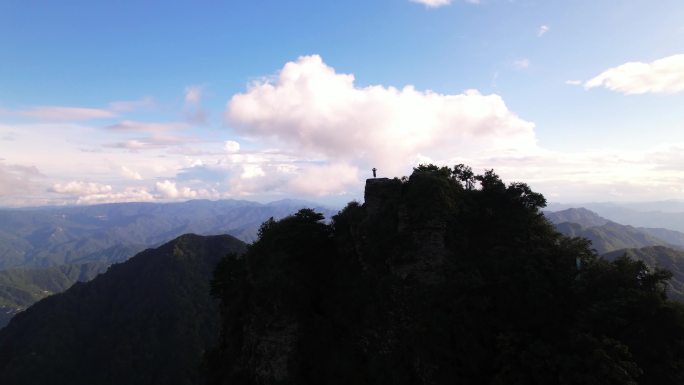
<point x="81" y="188"/>
<point x="17" y="179"/>
<point x="168" y="189"/>
<point x="323" y="113"/>
<point x="543" y="30"/>
<point x="325" y="179"/>
<point x="128" y="194"/>
<point x="436" y="3"/>
<point x="663" y="76"/>
<point x="231" y="146"/>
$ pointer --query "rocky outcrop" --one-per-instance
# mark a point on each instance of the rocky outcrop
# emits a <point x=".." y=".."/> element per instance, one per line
<point x="388" y="205"/>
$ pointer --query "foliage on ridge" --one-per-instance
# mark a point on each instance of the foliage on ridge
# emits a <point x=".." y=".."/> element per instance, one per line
<point x="451" y="277"/>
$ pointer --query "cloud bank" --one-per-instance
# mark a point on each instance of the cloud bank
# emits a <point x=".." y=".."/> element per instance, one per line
<point x="663" y="76"/>
<point x="314" y="110"/>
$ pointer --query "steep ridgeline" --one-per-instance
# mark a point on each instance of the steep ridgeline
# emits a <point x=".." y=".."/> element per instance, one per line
<point x="145" y="321"/>
<point x="664" y="214"/>
<point x="434" y="281"/>
<point x="20" y="288"/>
<point x="605" y="235"/>
<point x="581" y="216"/>
<point x="112" y="233"/>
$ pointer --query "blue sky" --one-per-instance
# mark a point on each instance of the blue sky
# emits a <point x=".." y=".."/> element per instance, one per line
<point x="152" y="100"/>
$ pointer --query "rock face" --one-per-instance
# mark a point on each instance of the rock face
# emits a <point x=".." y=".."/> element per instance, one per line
<point x="339" y="304"/>
<point x="421" y="229"/>
<point x="379" y="192"/>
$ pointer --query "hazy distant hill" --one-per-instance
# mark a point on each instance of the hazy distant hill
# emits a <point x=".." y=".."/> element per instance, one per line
<point x="581" y="216"/>
<point x="662" y="257"/>
<point x="670" y="236"/>
<point x="607" y="235"/>
<point x="145" y="321"/>
<point x="114" y="232"/>
<point x="611" y="236"/>
<point x="667" y="214"/>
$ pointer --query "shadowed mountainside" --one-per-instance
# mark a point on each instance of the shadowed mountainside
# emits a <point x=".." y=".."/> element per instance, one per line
<point x="145" y="321"/>
<point x="20" y="288"/>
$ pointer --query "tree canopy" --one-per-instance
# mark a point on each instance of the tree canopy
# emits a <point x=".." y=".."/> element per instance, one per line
<point x="451" y="277"/>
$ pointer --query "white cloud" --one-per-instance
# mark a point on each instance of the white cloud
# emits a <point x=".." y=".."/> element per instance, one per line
<point x="17" y="179"/>
<point x="323" y="113"/>
<point x="252" y="171"/>
<point x="74" y="114"/>
<point x="153" y="142"/>
<point x="325" y="180"/>
<point x="521" y="63"/>
<point x="130" y="173"/>
<point x="168" y="189"/>
<point x="663" y="76"/>
<point x="130" y="125"/>
<point x="543" y="30"/>
<point x="231" y="146"/>
<point x="437" y="3"/>
<point x="81" y="188"/>
<point x="573" y="82"/>
<point x="56" y="113"/>
<point x="129" y="194"/>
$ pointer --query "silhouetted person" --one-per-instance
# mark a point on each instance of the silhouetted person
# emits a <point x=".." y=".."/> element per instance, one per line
<point x="374" y="170"/>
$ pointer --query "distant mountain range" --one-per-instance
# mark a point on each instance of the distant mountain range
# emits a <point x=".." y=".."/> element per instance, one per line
<point x="665" y="214"/>
<point x="114" y="232"/>
<point x="657" y="247"/>
<point x="148" y="320"/>
<point x="606" y="235"/>
<point x="45" y="250"/>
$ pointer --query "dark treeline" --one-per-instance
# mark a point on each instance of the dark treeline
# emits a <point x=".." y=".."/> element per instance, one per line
<point x="440" y="278"/>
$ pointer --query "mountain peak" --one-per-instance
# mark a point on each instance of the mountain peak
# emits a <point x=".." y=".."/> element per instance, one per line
<point x="579" y="215"/>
